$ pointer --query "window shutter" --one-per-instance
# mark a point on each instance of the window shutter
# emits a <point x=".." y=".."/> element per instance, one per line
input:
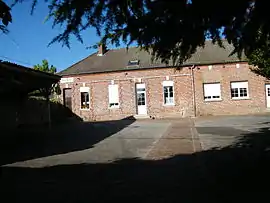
<point x="211" y="89"/>
<point x="138" y="86"/>
<point x="239" y="84"/>
<point x="84" y="89"/>
<point x="113" y="94"/>
<point x="167" y="83"/>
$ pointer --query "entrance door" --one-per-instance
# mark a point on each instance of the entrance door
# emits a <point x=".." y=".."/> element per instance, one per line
<point x="67" y="98"/>
<point x="141" y="99"/>
<point x="267" y="93"/>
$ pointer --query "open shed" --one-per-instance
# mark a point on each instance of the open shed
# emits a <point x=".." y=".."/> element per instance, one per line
<point x="16" y="82"/>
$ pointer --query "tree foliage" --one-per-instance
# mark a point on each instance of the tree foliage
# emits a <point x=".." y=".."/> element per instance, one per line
<point x="260" y="59"/>
<point x="44" y="67"/>
<point x="5" y="16"/>
<point x="170" y="30"/>
<point x="55" y="88"/>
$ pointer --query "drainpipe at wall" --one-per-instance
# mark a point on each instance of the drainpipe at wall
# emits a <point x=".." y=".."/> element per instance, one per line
<point x="193" y="91"/>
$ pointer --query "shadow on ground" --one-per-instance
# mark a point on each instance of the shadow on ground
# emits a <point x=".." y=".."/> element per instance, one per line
<point x="237" y="173"/>
<point x="71" y="135"/>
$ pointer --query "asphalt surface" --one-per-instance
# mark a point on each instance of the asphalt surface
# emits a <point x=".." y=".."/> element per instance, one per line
<point x="134" y="140"/>
<point x="142" y="161"/>
<point x="223" y="131"/>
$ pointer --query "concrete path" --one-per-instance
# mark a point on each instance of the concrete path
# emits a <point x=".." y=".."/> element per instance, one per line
<point x="180" y="138"/>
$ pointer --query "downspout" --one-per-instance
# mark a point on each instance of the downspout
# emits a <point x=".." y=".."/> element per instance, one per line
<point x="193" y="91"/>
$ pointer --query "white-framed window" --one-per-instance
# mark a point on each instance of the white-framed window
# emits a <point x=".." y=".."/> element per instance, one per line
<point x="85" y="97"/>
<point x="168" y="92"/>
<point x="211" y="91"/>
<point x="239" y="90"/>
<point x="113" y="96"/>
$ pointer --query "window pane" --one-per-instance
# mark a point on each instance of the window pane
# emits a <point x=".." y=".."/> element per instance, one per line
<point x="243" y="92"/>
<point x="168" y="94"/>
<point x="140" y="89"/>
<point x="234" y="92"/>
<point x="165" y="90"/>
<point x="114" y="104"/>
<point x="141" y="99"/>
<point x="207" y="97"/>
<point x="167" y="101"/>
<point x="84" y="100"/>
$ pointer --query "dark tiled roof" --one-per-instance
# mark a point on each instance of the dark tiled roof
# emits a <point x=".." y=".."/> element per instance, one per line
<point x="117" y="59"/>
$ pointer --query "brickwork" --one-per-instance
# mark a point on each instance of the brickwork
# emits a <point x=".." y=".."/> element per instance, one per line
<point x="99" y="105"/>
<point x="225" y="74"/>
<point x="183" y="92"/>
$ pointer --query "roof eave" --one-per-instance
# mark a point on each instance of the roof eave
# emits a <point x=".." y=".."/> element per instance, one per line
<point x="150" y="67"/>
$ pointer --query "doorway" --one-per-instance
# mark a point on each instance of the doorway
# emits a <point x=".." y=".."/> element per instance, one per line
<point x="141" y="99"/>
<point x="267" y="94"/>
<point x="67" y="98"/>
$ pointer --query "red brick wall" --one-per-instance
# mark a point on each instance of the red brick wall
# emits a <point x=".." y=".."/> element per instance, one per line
<point x="183" y="93"/>
<point x="225" y="74"/>
<point x="99" y="105"/>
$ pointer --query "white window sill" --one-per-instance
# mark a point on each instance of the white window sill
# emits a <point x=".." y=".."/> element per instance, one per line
<point x="212" y="100"/>
<point x="114" y="107"/>
<point x="168" y="104"/>
<point x="241" y="98"/>
<point x="85" y="109"/>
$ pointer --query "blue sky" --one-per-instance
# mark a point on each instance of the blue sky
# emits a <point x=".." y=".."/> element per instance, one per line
<point x="27" y="41"/>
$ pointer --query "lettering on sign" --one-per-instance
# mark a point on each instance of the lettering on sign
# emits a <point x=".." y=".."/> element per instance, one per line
<point x="66" y="80"/>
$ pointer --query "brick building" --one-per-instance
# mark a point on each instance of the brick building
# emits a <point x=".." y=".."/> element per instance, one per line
<point x="114" y="84"/>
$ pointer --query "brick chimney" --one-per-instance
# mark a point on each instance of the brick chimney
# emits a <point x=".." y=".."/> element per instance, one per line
<point x="101" y="49"/>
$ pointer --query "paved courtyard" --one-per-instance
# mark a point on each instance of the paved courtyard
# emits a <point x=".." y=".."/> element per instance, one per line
<point x="213" y="159"/>
<point x="222" y="131"/>
<point x="105" y="142"/>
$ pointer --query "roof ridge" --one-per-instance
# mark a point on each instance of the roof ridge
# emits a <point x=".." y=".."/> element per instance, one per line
<point x="122" y="48"/>
<point x="116" y="59"/>
<point x="210" y="41"/>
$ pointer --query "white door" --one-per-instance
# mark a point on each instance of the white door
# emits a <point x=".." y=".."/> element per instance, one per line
<point x="267" y="92"/>
<point x="141" y="99"/>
